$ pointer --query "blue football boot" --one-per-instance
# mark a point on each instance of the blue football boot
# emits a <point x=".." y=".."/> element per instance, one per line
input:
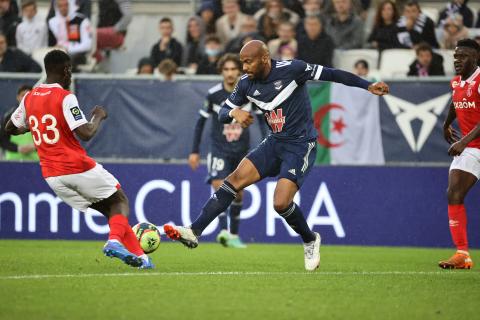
<point x="116" y="249"/>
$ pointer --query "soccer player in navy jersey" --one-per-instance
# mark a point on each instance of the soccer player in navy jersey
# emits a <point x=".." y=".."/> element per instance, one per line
<point x="229" y="145"/>
<point x="278" y="89"/>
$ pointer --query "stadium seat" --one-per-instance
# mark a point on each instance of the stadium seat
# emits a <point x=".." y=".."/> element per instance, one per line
<point x="432" y="13"/>
<point x="447" y="61"/>
<point x="345" y="59"/>
<point x="394" y="63"/>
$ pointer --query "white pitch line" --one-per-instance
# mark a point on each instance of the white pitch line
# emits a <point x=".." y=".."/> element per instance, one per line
<point x="230" y="273"/>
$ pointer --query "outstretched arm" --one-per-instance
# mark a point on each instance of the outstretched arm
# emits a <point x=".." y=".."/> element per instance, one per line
<point x="351" y="80"/>
<point x="88" y="130"/>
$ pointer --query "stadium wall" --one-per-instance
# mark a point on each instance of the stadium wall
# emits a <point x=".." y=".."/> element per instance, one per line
<point x="387" y="206"/>
<point x="409" y="120"/>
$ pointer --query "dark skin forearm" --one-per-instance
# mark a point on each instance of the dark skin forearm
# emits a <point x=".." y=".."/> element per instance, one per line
<point x="11" y="129"/>
<point x="88" y="130"/>
<point x="450" y="116"/>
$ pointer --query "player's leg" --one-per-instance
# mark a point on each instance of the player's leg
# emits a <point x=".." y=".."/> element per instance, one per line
<point x="297" y="162"/>
<point x="243" y="176"/>
<point x="459" y="183"/>
<point x="234" y="212"/>
<point x="223" y="235"/>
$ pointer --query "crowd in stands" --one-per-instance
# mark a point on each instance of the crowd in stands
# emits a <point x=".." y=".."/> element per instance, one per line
<point x="310" y="30"/>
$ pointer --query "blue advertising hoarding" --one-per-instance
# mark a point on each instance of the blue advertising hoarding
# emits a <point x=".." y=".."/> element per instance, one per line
<point x="398" y="206"/>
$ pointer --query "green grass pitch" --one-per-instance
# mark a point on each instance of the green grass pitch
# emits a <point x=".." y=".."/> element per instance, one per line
<point x="73" y="280"/>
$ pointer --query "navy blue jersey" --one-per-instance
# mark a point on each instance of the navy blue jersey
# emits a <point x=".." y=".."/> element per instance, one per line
<point x="282" y="97"/>
<point x="226" y="138"/>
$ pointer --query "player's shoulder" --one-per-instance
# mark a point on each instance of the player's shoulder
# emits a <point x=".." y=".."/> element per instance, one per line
<point x="216" y="88"/>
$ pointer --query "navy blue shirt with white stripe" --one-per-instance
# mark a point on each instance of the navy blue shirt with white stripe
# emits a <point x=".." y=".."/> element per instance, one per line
<point x="226" y="138"/>
<point x="283" y="98"/>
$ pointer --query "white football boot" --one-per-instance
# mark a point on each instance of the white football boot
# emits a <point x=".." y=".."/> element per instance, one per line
<point x="312" y="253"/>
<point x="183" y="234"/>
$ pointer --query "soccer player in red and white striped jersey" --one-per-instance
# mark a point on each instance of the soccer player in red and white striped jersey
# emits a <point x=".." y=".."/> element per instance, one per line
<point x="465" y="167"/>
<point x="53" y="116"/>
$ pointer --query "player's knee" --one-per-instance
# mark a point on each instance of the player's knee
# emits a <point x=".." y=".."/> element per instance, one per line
<point x="455" y="195"/>
<point x="235" y="179"/>
<point x="280" y="205"/>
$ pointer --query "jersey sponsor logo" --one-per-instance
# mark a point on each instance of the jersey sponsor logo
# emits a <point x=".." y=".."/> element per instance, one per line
<point x="36" y="93"/>
<point x="276" y="120"/>
<point x="464" y="104"/>
<point x="427" y="112"/>
<point x="278" y="85"/>
<point x="77" y="115"/>
<point x="232" y="131"/>
<point x="256" y="93"/>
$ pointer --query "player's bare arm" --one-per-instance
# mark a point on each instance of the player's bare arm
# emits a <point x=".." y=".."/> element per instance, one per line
<point x="458" y="147"/>
<point x="88" y="130"/>
<point x="450" y="134"/>
<point x="11" y="129"/>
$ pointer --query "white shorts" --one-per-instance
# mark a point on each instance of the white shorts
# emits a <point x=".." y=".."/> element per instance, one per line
<point x="469" y="161"/>
<point x="81" y="190"/>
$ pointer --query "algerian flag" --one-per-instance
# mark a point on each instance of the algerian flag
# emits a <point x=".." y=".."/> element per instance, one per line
<point x="348" y="124"/>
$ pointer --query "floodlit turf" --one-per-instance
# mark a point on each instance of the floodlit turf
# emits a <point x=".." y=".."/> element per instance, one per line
<point x="72" y="280"/>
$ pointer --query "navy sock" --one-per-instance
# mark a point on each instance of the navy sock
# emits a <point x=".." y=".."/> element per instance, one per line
<point x="235" y="209"/>
<point x="223" y="221"/>
<point x="295" y="219"/>
<point x="217" y="204"/>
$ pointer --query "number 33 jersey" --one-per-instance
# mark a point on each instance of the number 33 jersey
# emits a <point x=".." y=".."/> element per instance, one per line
<point x="52" y="113"/>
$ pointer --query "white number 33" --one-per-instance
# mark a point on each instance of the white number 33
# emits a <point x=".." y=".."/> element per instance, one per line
<point x="52" y="134"/>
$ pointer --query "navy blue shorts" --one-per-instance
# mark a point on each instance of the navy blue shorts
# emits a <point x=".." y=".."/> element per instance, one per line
<point x="220" y="165"/>
<point x="290" y="160"/>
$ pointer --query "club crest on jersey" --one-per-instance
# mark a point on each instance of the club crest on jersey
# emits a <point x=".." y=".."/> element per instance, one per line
<point x="77" y="115"/>
<point x="278" y="85"/>
<point x="470" y="89"/>
<point x="276" y="120"/>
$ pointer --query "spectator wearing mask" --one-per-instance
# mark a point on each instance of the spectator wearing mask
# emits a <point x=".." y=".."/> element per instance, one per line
<point x="32" y="32"/>
<point x="9" y="20"/>
<point x="21" y="147"/>
<point x="271" y="16"/>
<point x="194" y="48"/>
<point x="72" y="32"/>
<point x="415" y="27"/>
<point x="454" y="8"/>
<point x="145" y="66"/>
<point x="345" y="25"/>
<point x="114" y="16"/>
<point x="213" y="52"/>
<point x="427" y="62"/>
<point x="453" y="30"/>
<point x="315" y="46"/>
<point x="14" y="60"/>
<point x="384" y="33"/>
<point x="286" y="37"/>
<point x="228" y="26"/>
<point x="167" y="47"/>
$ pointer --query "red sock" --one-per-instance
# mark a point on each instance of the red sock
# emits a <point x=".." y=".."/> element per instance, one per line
<point x="118" y="224"/>
<point x="457" y="219"/>
<point x="120" y="230"/>
<point x="131" y="242"/>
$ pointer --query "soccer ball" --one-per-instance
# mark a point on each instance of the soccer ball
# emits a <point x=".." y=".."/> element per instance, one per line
<point x="148" y="236"/>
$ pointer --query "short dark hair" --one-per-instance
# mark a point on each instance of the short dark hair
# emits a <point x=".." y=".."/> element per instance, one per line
<point x="24" y="87"/>
<point x="363" y="62"/>
<point x="469" y="43"/>
<point x="166" y="19"/>
<point x="423" y="46"/>
<point x="55" y="61"/>
<point x="228" y="57"/>
<point x="145" y="61"/>
<point x="413" y="3"/>
<point x="212" y="38"/>
<point x="27" y="3"/>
